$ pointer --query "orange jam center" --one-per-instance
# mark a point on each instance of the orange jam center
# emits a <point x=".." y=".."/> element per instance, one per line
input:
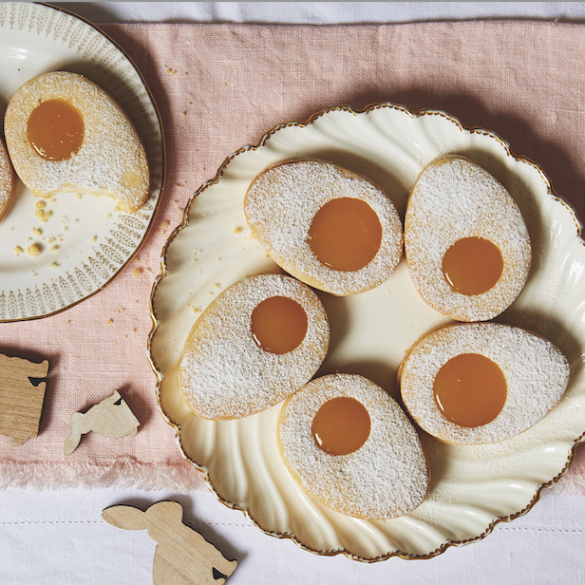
<point x="345" y="234"/>
<point x="470" y="390"/>
<point x="472" y="266"/>
<point x="341" y="426"/>
<point x="55" y="130"/>
<point x="279" y="324"/>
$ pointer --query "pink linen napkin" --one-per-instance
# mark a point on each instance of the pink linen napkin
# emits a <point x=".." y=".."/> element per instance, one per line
<point x="219" y="87"/>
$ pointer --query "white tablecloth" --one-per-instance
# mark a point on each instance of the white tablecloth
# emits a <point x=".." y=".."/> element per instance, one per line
<point x="59" y="538"/>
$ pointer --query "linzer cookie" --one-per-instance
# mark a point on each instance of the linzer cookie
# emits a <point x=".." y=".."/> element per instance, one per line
<point x="258" y="342"/>
<point x="466" y="243"/>
<point x="67" y="135"/>
<point x="325" y="225"/>
<point x="350" y="446"/>
<point x="473" y="383"/>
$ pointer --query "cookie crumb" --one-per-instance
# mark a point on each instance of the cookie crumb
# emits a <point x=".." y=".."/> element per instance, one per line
<point x="33" y="251"/>
<point x="37" y="231"/>
<point x="53" y="265"/>
<point x="42" y="215"/>
<point x="18" y="250"/>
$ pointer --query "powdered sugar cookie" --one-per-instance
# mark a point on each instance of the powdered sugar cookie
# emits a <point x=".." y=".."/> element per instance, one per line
<point x="467" y="245"/>
<point x="325" y="225"/>
<point x="7" y="182"/>
<point x="351" y="446"/>
<point x="67" y="135"/>
<point x="479" y="383"/>
<point x="259" y="341"/>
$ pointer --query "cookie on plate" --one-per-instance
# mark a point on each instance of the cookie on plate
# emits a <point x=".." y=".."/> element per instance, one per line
<point x="474" y="383"/>
<point x="350" y="446"/>
<point x="258" y="342"/>
<point x="466" y="243"/>
<point x="67" y="135"/>
<point x="330" y="227"/>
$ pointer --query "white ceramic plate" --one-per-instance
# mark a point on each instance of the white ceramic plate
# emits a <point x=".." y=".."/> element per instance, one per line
<point x="85" y="243"/>
<point x="472" y="488"/>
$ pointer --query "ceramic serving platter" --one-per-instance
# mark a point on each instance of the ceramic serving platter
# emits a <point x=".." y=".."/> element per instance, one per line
<point x="84" y="243"/>
<point x="472" y="488"/>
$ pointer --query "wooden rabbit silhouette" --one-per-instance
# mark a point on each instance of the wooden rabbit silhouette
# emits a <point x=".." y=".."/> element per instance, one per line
<point x="21" y="402"/>
<point x="183" y="556"/>
<point x="111" y="418"/>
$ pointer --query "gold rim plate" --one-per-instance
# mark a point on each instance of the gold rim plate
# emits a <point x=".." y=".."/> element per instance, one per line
<point x="472" y="488"/>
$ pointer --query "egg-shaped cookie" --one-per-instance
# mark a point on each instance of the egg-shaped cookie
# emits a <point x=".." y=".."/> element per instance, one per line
<point x="352" y="448"/>
<point x="7" y="182"/>
<point x="474" y="383"/>
<point x="330" y="227"/>
<point x="259" y="341"/>
<point x="466" y="243"/>
<point x="65" y="134"/>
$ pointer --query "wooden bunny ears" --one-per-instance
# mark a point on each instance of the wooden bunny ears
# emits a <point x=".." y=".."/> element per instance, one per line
<point x="182" y="556"/>
<point x="110" y="418"/>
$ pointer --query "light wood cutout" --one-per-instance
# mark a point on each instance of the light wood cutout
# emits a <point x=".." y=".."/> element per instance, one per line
<point x="21" y="402"/>
<point x="110" y="418"/>
<point x="182" y="556"/>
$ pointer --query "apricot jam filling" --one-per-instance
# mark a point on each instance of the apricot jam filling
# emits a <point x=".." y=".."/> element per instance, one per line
<point x="345" y="234"/>
<point x="470" y="390"/>
<point x="279" y="324"/>
<point x="55" y="130"/>
<point x="341" y="426"/>
<point x="472" y="266"/>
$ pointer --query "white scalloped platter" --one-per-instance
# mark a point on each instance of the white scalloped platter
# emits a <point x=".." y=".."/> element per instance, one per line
<point x="85" y="243"/>
<point x="472" y="488"/>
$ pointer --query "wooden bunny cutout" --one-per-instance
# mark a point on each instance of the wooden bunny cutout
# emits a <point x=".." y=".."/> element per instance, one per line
<point x="21" y="402"/>
<point x="183" y="556"/>
<point x="111" y="418"/>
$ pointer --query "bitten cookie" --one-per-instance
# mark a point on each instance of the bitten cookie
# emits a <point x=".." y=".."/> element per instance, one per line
<point x="67" y="135"/>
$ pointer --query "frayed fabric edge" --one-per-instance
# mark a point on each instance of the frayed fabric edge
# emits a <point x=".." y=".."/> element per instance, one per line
<point x="122" y="473"/>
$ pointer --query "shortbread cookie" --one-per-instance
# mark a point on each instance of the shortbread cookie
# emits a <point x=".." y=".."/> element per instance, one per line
<point x="67" y="135"/>
<point x="350" y="446"/>
<point x="258" y="342"/>
<point x="466" y="243"/>
<point x="7" y="182"/>
<point x="479" y="383"/>
<point x="325" y="225"/>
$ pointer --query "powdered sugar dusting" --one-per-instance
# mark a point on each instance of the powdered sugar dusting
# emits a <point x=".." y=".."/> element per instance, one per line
<point x="452" y="199"/>
<point x="536" y="373"/>
<point x="225" y="374"/>
<point x="281" y="204"/>
<point x="111" y="160"/>
<point x="385" y="478"/>
<point x="7" y="183"/>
